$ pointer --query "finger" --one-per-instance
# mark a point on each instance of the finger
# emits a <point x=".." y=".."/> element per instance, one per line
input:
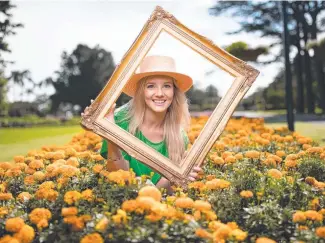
<point x="193" y="174"/>
<point x="191" y="179"/>
<point x="197" y="169"/>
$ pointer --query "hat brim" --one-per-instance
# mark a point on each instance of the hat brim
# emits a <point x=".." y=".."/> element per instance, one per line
<point x="183" y="81"/>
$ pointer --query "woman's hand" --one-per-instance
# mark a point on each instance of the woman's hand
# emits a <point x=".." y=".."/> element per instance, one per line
<point x="110" y="115"/>
<point x="194" y="175"/>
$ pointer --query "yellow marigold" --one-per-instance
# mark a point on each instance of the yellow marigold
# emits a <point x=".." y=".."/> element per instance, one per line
<point x="252" y="154"/>
<point x="150" y="191"/>
<point x="320" y="232"/>
<point x="201" y="205"/>
<point x="91" y="238"/>
<point x="14" y="224"/>
<point x="24" y="196"/>
<point x="222" y="233"/>
<point x="319" y="185"/>
<point x="48" y="194"/>
<point x="69" y="152"/>
<point x="153" y="217"/>
<point x="39" y="214"/>
<point x="219" y="146"/>
<point x="145" y="202"/>
<point x="298" y="216"/>
<point x="184" y="202"/>
<point x="19" y="159"/>
<point x="215" y="225"/>
<point x="102" y="224"/>
<point x="313" y="215"/>
<point x="322" y="211"/>
<point x="39" y="176"/>
<point x="97" y="168"/>
<point x="6" y="165"/>
<point x="36" y="164"/>
<point x="310" y="180"/>
<point x="238" y="234"/>
<point x="275" y="173"/>
<point x="226" y="154"/>
<point x="47" y="185"/>
<point x="8" y="239"/>
<point x="120" y="217"/>
<point x="58" y="155"/>
<point x="314" y="204"/>
<point x="280" y="153"/>
<point x="202" y="233"/>
<point x="291" y="163"/>
<point x="230" y="159"/>
<point x="84" y="169"/>
<point x="210" y="177"/>
<point x="25" y="235"/>
<point x="246" y="194"/>
<point x="87" y="195"/>
<point x="73" y="161"/>
<point x="264" y="240"/>
<point x="217" y="160"/>
<point x="313" y="150"/>
<point x="217" y="184"/>
<point x="269" y="162"/>
<point x="239" y="156"/>
<point x="69" y="211"/>
<point x="71" y="197"/>
<point x="129" y="205"/>
<point x="5" y="196"/>
<point x="196" y="185"/>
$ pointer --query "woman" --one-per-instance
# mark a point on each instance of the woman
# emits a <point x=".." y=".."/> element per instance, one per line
<point x="158" y="115"/>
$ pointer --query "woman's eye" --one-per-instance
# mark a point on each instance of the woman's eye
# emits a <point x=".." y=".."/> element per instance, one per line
<point x="150" y="86"/>
<point x="167" y="85"/>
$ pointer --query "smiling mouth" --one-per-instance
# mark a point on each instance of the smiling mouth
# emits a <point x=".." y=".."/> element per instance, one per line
<point x="159" y="102"/>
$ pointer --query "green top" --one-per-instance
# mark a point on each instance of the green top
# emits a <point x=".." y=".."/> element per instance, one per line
<point x="138" y="167"/>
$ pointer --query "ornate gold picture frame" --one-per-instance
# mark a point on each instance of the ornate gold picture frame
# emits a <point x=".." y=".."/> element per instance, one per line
<point x="93" y="118"/>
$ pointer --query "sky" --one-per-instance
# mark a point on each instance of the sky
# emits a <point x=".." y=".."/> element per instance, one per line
<point x="51" y="27"/>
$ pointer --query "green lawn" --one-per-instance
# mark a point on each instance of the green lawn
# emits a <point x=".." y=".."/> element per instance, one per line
<point x="313" y="130"/>
<point x="18" y="141"/>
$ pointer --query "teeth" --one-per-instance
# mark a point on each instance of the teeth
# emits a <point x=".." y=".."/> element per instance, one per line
<point x="159" y="101"/>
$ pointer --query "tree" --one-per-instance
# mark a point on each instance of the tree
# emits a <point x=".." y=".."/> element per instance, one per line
<point x="264" y="17"/>
<point x="7" y="28"/>
<point x="81" y="77"/>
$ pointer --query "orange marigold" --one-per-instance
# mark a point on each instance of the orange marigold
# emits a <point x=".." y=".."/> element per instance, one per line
<point x="14" y="224"/>
<point x="69" y="211"/>
<point x="238" y="234"/>
<point x="94" y="237"/>
<point x="202" y="205"/>
<point x="184" y="202"/>
<point x="5" y="196"/>
<point x="320" y="232"/>
<point x="264" y="240"/>
<point x="150" y="191"/>
<point x="26" y="234"/>
<point x="275" y="173"/>
<point x="298" y="216"/>
<point x="246" y="194"/>
<point x="71" y="197"/>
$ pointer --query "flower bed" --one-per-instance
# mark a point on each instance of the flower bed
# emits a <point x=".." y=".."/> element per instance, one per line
<point x="259" y="185"/>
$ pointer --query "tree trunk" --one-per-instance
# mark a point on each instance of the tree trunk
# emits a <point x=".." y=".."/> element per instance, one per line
<point x="308" y="73"/>
<point x="318" y="61"/>
<point x="299" y="74"/>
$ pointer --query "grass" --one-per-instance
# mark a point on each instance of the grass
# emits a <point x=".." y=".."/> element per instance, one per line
<point x="308" y="129"/>
<point x="18" y="141"/>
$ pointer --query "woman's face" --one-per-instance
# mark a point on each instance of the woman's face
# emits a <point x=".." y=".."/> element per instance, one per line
<point x="159" y="93"/>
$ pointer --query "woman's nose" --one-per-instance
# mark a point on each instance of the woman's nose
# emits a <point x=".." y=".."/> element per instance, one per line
<point x="159" y="91"/>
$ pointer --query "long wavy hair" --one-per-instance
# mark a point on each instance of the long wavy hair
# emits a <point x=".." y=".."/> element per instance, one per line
<point x="177" y="118"/>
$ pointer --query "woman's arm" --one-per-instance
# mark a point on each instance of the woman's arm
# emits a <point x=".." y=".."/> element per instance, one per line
<point x="115" y="158"/>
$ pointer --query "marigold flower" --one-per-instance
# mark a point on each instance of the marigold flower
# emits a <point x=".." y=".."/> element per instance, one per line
<point x="24" y="196"/>
<point x="252" y="154"/>
<point x="217" y="184"/>
<point x="202" y="205"/>
<point x="196" y="185"/>
<point x="150" y="191"/>
<point x="38" y="215"/>
<point x="6" y="165"/>
<point x="129" y="205"/>
<point x="230" y="159"/>
<point x="246" y="194"/>
<point x="222" y="233"/>
<point x="299" y="216"/>
<point x="264" y="240"/>
<point x="73" y="161"/>
<point x="275" y="173"/>
<point x="280" y="153"/>
<point x="145" y="202"/>
<point x="25" y="235"/>
<point x="71" y="197"/>
<point x="291" y="163"/>
<point x="238" y="234"/>
<point x="87" y="195"/>
<point x="94" y="237"/>
<point x="239" y="156"/>
<point x="14" y="224"/>
<point x="202" y="233"/>
<point x="36" y="164"/>
<point x="217" y="160"/>
<point x="184" y="202"/>
<point x="70" y="211"/>
<point x="320" y="232"/>
<point x="313" y="215"/>
<point x="3" y="211"/>
<point x="5" y="196"/>
<point x="97" y="168"/>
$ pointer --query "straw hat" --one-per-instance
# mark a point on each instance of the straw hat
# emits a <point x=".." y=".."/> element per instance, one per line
<point x="158" y="65"/>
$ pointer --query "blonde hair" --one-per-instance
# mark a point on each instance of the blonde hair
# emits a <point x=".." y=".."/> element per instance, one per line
<point x="177" y="119"/>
